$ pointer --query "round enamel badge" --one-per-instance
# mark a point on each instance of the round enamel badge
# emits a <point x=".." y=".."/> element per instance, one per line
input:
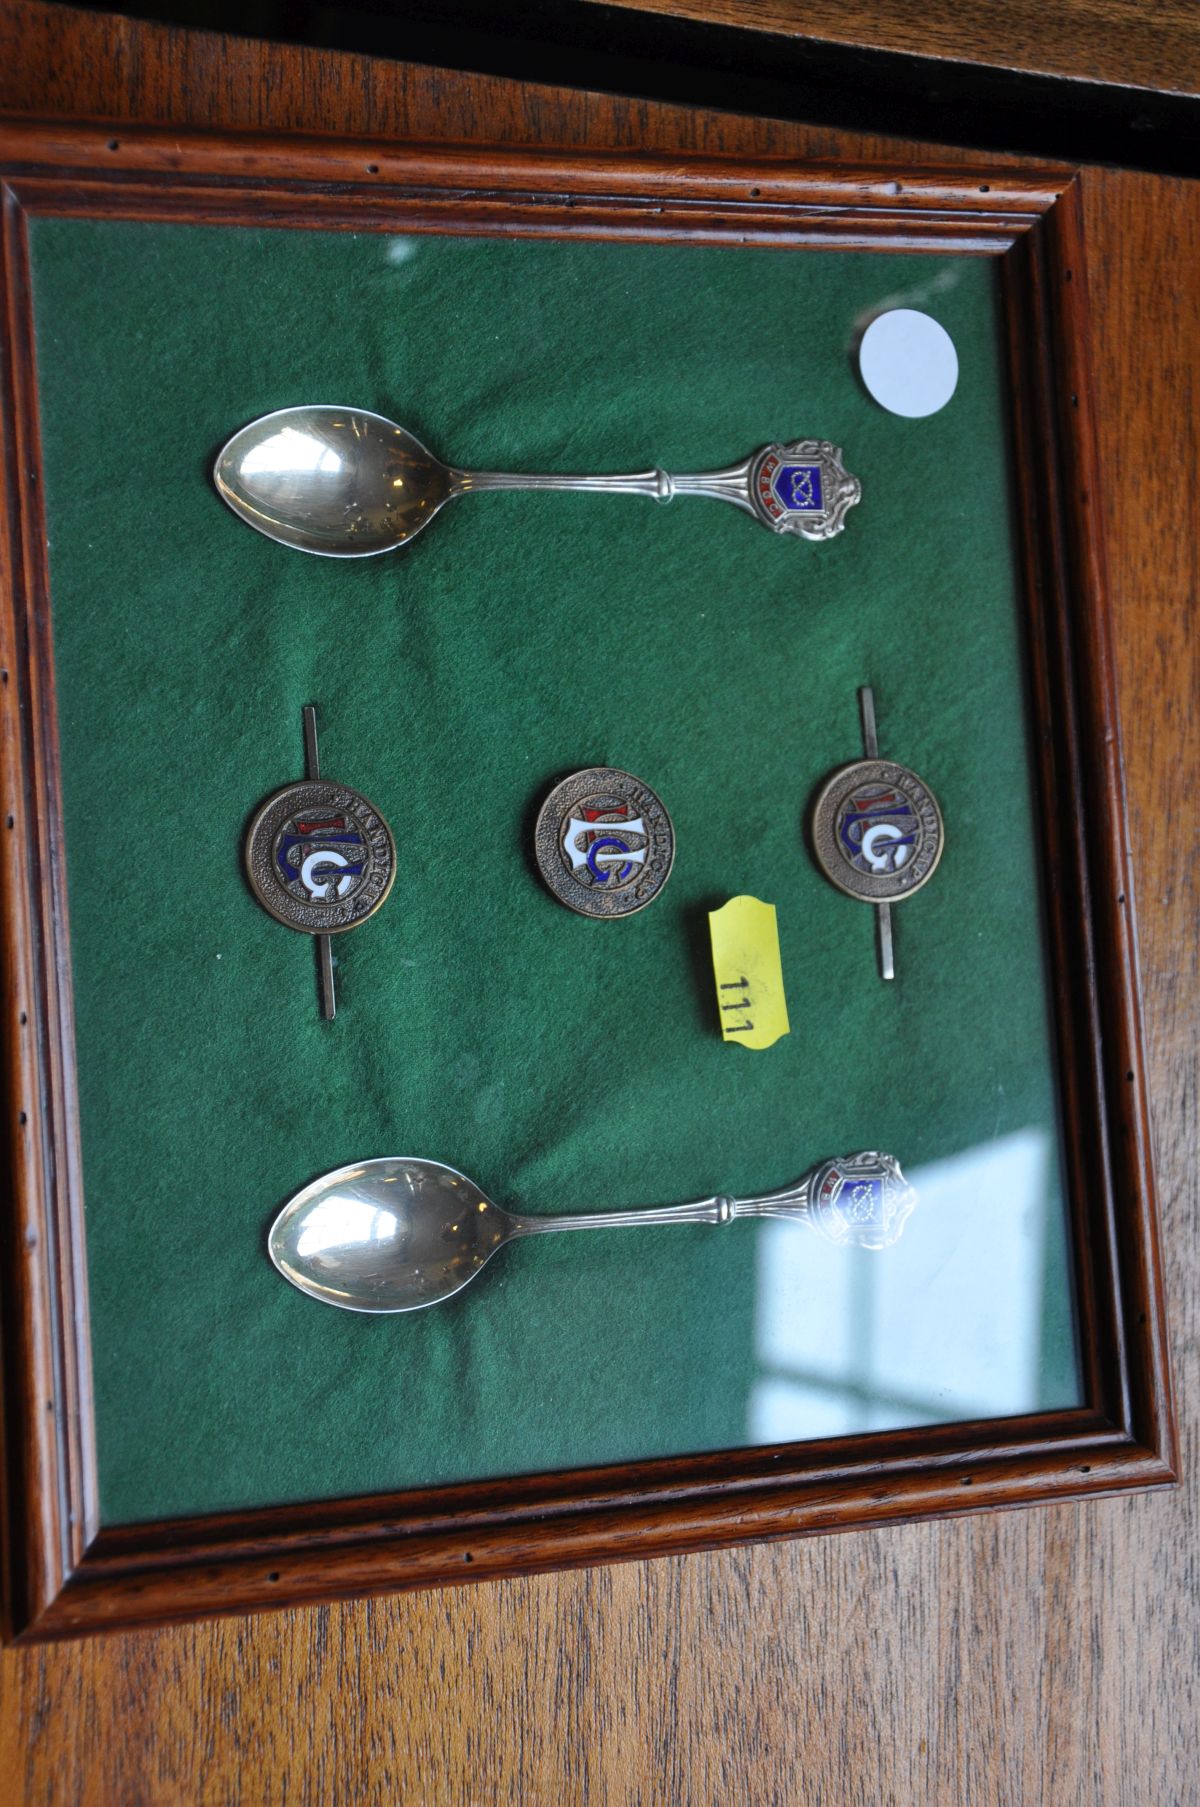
<point x="319" y="857"/>
<point x="604" y="842"/>
<point x="877" y="831"/>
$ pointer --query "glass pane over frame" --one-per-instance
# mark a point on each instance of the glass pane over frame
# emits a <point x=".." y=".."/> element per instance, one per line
<point x="564" y="1064"/>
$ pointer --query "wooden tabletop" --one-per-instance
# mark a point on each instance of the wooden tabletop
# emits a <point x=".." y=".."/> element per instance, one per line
<point x="1033" y="1656"/>
<point x="1127" y="42"/>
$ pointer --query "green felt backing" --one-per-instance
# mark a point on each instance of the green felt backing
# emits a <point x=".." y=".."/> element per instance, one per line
<point x="565" y="1064"/>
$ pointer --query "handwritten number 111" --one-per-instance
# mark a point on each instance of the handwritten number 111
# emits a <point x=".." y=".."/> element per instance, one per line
<point x="742" y="984"/>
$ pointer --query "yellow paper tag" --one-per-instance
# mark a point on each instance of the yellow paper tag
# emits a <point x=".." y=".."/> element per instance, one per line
<point x="749" y="975"/>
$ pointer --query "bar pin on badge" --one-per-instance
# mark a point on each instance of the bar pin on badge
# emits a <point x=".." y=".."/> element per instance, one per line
<point x="877" y="831"/>
<point x="320" y="858"/>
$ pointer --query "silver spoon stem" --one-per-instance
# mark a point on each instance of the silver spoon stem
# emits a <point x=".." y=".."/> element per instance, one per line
<point x="855" y="1181"/>
<point x="792" y="1203"/>
<point x="731" y="485"/>
<point x="707" y="1210"/>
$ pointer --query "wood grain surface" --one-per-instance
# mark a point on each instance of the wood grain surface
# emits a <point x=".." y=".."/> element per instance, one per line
<point x="1036" y="1656"/>
<point x="1143" y="43"/>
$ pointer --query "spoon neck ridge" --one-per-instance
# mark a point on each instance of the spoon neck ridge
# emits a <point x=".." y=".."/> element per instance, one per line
<point x="717" y="1210"/>
<point x="656" y="484"/>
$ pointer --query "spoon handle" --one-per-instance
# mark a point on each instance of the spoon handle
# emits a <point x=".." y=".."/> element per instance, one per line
<point x="860" y="1199"/>
<point x="799" y="488"/>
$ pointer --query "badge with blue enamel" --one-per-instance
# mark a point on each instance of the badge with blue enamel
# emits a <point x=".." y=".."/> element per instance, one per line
<point x="320" y="858"/>
<point x="604" y="842"/>
<point x="877" y="831"/>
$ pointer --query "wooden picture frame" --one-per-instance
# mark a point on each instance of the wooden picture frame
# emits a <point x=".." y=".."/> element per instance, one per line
<point x="66" y="1574"/>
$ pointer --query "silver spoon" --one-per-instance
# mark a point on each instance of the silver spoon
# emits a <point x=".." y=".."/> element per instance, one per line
<point x="396" y="1234"/>
<point x="346" y="483"/>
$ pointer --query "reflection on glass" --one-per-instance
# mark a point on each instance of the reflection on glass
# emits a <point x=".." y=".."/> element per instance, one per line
<point x="949" y="1327"/>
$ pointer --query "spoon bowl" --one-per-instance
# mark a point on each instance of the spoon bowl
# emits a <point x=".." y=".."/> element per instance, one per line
<point x="387" y="1235"/>
<point x="399" y="1233"/>
<point x="340" y="482"/>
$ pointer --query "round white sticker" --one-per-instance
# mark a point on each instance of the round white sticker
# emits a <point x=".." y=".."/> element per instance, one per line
<point x="908" y="363"/>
